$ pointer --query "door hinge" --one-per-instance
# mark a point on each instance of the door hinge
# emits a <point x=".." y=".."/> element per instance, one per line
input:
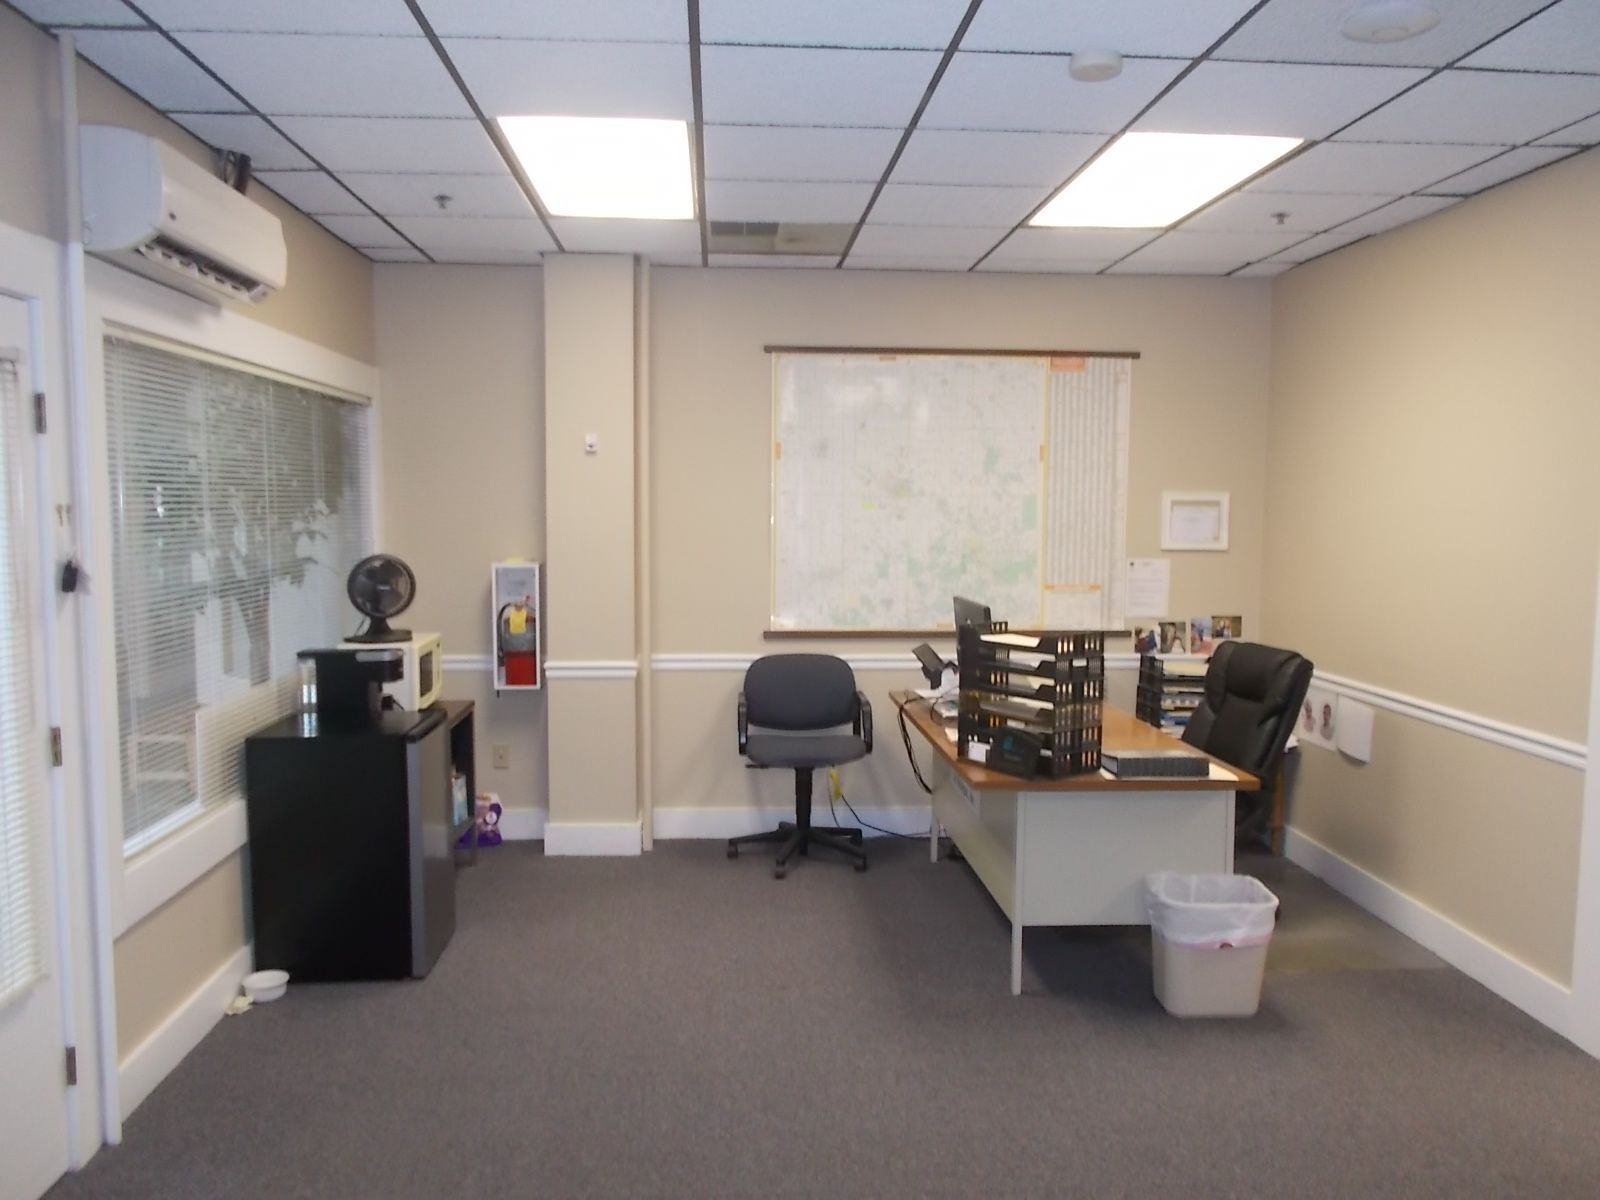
<point x="38" y="412"/>
<point x="55" y="745"/>
<point x="72" y="1066"/>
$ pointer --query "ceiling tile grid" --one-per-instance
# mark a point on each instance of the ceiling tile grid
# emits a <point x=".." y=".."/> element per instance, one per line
<point x="805" y="105"/>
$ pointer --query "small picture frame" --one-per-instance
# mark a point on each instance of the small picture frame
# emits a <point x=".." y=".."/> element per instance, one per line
<point x="1194" y="520"/>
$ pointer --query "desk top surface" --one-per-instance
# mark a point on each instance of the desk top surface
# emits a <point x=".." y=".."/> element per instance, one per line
<point x="1121" y="731"/>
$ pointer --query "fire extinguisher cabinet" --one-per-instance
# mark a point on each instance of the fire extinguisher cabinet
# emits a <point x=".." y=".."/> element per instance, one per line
<point x="517" y="635"/>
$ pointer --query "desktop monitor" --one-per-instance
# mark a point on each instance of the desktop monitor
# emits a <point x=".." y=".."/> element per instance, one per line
<point x="970" y="612"/>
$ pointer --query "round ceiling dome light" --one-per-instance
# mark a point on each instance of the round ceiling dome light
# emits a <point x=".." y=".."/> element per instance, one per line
<point x="1094" y="66"/>
<point x="1385" y="21"/>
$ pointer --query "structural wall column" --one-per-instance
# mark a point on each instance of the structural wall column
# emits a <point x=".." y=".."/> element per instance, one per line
<point x="591" y="661"/>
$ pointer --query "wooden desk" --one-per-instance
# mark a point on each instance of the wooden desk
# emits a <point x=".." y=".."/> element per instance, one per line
<point x="1075" y="851"/>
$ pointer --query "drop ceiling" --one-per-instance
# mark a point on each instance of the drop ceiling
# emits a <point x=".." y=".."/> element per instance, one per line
<point x="928" y="131"/>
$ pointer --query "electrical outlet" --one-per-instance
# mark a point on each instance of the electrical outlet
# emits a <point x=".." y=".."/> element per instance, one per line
<point x="502" y="758"/>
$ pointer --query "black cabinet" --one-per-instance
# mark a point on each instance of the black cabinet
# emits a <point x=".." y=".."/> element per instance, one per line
<point x="352" y="844"/>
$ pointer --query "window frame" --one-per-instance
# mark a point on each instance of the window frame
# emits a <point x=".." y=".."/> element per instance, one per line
<point x="124" y="305"/>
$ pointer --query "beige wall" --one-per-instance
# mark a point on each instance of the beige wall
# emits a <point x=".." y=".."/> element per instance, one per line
<point x="328" y="299"/>
<point x="1433" y="524"/>
<point x="163" y="959"/>
<point x="1199" y="421"/>
<point x="462" y="454"/>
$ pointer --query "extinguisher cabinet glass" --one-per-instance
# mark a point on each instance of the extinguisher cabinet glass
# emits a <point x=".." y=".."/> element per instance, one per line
<point x="518" y="626"/>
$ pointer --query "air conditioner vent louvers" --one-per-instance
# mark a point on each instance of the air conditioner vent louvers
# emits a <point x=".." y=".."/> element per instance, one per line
<point x="168" y="252"/>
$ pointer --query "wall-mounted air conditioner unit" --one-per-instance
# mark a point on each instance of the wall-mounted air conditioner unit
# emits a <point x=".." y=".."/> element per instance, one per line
<point x="148" y="208"/>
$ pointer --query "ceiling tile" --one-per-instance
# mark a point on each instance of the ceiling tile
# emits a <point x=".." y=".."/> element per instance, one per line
<point x="1497" y="170"/>
<point x="939" y="204"/>
<point x="1183" y="253"/>
<point x="1128" y="26"/>
<point x="774" y="260"/>
<point x="1309" y="31"/>
<point x="1304" y="212"/>
<point x="1345" y="167"/>
<point x="591" y="236"/>
<point x="1060" y="266"/>
<point x="1401" y="212"/>
<point x="925" y="241"/>
<point x="882" y="24"/>
<point x="1490" y="107"/>
<point x="413" y="195"/>
<point x="906" y="262"/>
<point x="993" y="157"/>
<point x="787" y="86"/>
<point x="1102" y="246"/>
<point x="1263" y="269"/>
<point x="1011" y="91"/>
<point x="1315" y="247"/>
<point x="739" y="200"/>
<point x="1305" y="101"/>
<point x="1579" y="133"/>
<point x="283" y="16"/>
<point x="787" y="152"/>
<point x="55" y="13"/>
<point x="478" y="239"/>
<point x="311" y="192"/>
<point x="268" y="150"/>
<point x="363" y="231"/>
<point x="577" y="79"/>
<point x="561" y="20"/>
<point x="332" y="75"/>
<point x="403" y="144"/>
<point x="402" y="254"/>
<point x="1563" y="38"/>
<point x="155" y="70"/>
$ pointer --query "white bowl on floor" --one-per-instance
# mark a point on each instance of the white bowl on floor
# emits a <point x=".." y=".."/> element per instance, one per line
<point x="262" y="986"/>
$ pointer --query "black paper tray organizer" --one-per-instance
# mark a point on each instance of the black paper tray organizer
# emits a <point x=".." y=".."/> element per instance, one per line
<point x="1049" y="683"/>
<point x="1168" y="692"/>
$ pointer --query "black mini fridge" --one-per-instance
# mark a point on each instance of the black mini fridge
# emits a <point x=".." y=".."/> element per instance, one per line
<point x="352" y="864"/>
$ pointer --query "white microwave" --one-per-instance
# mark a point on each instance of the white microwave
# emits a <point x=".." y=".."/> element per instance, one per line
<point x="423" y="677"/>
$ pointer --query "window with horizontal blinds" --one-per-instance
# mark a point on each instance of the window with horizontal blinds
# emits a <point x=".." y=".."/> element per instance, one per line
<point x="239" y="504"/>
<point x="22" y="740"/>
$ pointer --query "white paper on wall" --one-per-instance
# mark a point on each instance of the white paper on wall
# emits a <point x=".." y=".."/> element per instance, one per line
<point x="1319" y="718"/>
<point x="1149" y="587"/>
<point x="1354" y="729"/>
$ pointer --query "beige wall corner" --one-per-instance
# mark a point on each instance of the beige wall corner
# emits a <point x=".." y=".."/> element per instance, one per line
<point x="1433" y="518"/>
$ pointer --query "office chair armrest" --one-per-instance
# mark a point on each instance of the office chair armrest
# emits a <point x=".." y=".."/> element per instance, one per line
<point x="744" y="723"/>
<point x="862" y="725"/>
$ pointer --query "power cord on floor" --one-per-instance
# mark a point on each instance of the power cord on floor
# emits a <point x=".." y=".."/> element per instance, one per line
<point x="836" y="792"/>
<point x="905" y="736"/>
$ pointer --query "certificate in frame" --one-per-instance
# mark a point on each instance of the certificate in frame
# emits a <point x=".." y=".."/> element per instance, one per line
<point x="1194" y="520"/>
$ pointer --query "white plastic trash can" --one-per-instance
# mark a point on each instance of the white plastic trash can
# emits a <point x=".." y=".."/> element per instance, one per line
<point x="1208" y="942"/>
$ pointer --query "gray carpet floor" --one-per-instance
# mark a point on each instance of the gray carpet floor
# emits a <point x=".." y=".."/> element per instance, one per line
<point x="681" y="1025"/>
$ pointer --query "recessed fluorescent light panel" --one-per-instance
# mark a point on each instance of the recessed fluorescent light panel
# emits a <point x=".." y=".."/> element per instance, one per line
<point x="606" y="166"/>
<point x="1150" y="180"/>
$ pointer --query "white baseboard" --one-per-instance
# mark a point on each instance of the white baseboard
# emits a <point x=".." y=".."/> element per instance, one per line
<point x="153" y="1059"/>
<point x="522" y="824"/>
<point x="734" y="822"/>
<point x="1541" y="997"/>
<point x="611" y="838"/>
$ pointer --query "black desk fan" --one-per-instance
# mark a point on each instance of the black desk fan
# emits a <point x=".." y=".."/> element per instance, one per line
<point x="381" y="586"/>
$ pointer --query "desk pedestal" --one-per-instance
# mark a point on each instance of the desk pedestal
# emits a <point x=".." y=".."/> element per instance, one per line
<point x="1080" y="857"/>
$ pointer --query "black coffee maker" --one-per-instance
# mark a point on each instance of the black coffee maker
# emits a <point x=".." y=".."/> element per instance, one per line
<point x="343" y="689"/>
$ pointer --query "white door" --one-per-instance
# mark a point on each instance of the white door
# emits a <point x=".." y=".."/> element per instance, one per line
<point x="34" y="1097"/>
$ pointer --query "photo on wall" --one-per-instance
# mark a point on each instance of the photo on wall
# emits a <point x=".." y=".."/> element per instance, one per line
<point x="1319" y="719"/>
<point x="1172" y="638"/>
<point x="1146" y="639"/>
<point x="1202" y="638"/>
<point x="1227" y="628"/>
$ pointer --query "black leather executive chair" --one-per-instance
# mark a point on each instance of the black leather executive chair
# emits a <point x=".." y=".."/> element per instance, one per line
<point x="1252" y="699"/>
<point x="800" y="704"/>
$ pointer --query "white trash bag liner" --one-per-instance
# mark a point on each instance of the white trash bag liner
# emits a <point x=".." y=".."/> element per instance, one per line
<point x="1210" y="911"/>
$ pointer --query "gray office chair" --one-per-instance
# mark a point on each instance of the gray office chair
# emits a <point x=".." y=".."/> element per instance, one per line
<point x="801" y="702"/>
<point x="1252" y="699"/>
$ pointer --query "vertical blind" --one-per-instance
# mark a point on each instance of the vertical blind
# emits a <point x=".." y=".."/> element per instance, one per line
<point x="239" y="504"/>
<point x="22" y="742"/>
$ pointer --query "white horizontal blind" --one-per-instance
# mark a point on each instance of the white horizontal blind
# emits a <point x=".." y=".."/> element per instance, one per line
<point x="22" y="741"/>
<point x="239" y="505"/>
